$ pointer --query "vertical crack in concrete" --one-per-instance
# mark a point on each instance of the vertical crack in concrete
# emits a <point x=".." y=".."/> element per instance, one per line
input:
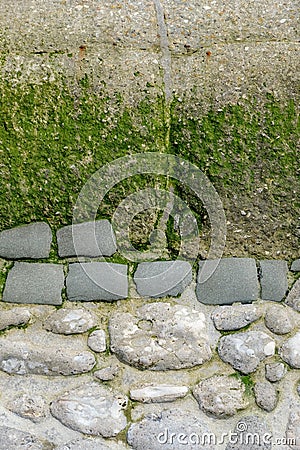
<point x="166" y="63"/>
<point x="165" y="51"/>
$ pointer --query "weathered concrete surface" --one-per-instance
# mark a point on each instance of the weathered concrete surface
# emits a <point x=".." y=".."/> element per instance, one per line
<point x="250" y="46"/>
<point x="13" y="439"/>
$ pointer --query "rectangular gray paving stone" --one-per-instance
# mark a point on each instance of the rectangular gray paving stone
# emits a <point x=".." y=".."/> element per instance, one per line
<point x="295" y="267"/>
<point x="273" y="279"/>
<point x="233" y="280"/>
<point x="92" y="239"/>
<point x="161" y="278"/>
<point x="95" y="281"/>
<point x="34" y="283"/>
<point x="31" y="241"/>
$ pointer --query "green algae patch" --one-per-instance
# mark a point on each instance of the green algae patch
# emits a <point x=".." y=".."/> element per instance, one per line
<point x="250" y="153"/>
<point x="54" y="136"/>
<point x="52" y="140"/>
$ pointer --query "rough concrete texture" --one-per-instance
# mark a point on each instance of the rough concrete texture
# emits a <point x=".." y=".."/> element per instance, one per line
<point x="86" y="239"/>
<point x="251" y="433"/>
<point x="13" y="439"/>
<point x="97" y="281"/>
<point x="233" y="280"/>
<point x="34" y="283"/>
<point x="273" y="278"/>
<point x="31" y="241"/>
<point x="250" y="45"/>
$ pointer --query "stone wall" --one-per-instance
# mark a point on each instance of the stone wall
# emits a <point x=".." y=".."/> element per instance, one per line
<point x="96" y="351"/>
<point x="96" y="354"/>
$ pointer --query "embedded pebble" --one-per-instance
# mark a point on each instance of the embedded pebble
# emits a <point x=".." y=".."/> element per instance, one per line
<point x="220" y="396"/>
<point x="70" y="321"/>
<point x="158" y="393"/>
<point x="29" y="407"/>
<point x="277" y="320"/>
<point x="293" y="298"/>
<point x="293" y="429"/>
<point x="13" y="439"/>
<point x="265" y="395"/>
<point x="245" y="351"/>
<point x="290" y="351"/>
<point x="250" y="426"/>
<point x="43" y="355"/>
<point x="160" y="337"/>
<point x="229" y="318"/>
<point x="107" y="373"/>
<point x="169" y="430"/>
<point x="91" y="409"/>
<point x="14" y="317"/>
<point x="97" y="341"/>
<point x="275" y="371"/>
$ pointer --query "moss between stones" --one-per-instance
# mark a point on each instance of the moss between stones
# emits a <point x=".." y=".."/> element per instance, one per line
<point x="54" y="137"/>
<point x="247" y="381"/>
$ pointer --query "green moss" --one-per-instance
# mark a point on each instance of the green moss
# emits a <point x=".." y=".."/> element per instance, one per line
<point x="4" y="269"/>
<point x="52" y="141"/>
<point x="53" y="137"/>
<point x="247" y="381"/>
